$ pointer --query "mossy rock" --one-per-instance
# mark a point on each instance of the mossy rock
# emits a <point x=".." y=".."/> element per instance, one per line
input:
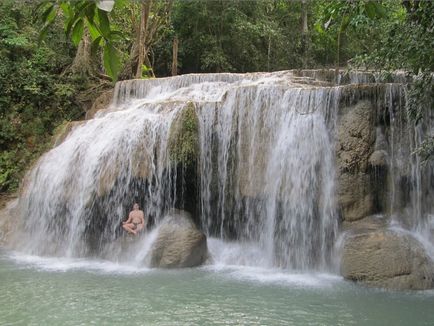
<point x="184" y="137"/>
<point x="62" y="131"/>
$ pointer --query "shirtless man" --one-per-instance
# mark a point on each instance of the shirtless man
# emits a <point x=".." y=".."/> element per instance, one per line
<point x="136" y="221"/>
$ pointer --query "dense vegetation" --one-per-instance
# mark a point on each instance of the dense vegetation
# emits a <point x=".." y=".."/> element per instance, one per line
<point x="55" y="56"/>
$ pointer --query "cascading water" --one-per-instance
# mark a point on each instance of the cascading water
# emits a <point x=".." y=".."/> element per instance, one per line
<point x="272" y="179"/>
<point x="78" y="192"/>
<point x="266" y="191"/>
<point x="410" y="181"/>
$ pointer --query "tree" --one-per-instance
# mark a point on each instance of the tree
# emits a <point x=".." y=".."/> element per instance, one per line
<point x="35" y="97"/>
<point x="337" y="16"/>
<point x="407" y="42"/>
<point x="86" y="18"/>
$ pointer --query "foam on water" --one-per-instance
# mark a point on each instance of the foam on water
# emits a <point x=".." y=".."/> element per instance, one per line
<point x="62" y="264"/>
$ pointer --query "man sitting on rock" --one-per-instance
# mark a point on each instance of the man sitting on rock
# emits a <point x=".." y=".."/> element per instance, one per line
<point x="136" y="221"/>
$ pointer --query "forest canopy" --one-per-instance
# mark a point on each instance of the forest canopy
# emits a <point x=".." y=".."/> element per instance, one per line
<point x="57" y="56"/>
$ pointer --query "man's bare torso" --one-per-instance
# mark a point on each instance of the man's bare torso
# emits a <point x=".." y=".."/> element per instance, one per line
<point x="136" y="216"/>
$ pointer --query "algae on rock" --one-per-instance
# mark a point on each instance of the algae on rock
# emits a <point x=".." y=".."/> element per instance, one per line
<point x="183" y="141"/>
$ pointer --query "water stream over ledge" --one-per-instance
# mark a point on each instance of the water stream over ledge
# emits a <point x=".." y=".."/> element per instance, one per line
<point x="265" y="169"/>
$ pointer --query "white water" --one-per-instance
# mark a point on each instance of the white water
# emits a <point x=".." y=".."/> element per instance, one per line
<point x="266" y="168"/>
<point x="410" y="183"/>
<point x="273" y="181"/>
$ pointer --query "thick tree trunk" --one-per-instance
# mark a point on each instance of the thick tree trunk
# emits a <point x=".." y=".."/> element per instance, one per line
<point x="82" y="64"/>
<point x="175" y="57"/>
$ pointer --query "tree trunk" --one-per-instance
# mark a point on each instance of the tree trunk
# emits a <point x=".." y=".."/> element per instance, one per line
<point x="269" y="53"/>
<point x="175" y="57"/>
<point x="304" y="34"/>
<point x="142" y="55"/>
<point x="82" y="64"/>
<point x="338" y="51"/>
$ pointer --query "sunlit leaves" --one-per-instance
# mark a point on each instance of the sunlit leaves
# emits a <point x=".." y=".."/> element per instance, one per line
<point x="112" y="62"/>
<point x="77" y="32"/>
<point x="81" y="15"/>
<point x="105" y="5"/>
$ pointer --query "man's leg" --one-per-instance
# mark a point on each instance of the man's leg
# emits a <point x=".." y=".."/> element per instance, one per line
<point x="129" y="228"/>
<point x="139" y="228"/>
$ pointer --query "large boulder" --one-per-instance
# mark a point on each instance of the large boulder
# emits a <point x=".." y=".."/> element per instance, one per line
<point x="387" y="259"/>
<point x="179" y="243"/>
<point x="355" y="144"/>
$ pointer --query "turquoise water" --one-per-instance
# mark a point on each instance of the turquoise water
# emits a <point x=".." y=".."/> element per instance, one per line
<point x="51" y="291"/>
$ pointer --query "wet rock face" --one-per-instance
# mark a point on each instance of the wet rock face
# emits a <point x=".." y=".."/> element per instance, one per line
<point x="183" y="148"/>
<point x="183" y="140"/>
<point x="179" y="243"/>
<point x="386" y="259"/>
<point x="100" y="103"/>
<point x="356" y="138"/>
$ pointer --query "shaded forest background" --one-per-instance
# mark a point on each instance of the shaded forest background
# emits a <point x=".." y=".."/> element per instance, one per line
<point x="56" y="57"/>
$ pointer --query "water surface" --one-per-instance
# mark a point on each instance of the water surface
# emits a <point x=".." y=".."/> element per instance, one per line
<point x="52" y="291"/>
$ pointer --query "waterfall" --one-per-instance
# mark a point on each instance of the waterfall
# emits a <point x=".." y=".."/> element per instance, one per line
<point x="411" y="183"/>
<point x="80" y="191"/>
<point x="269" y="165"/>
<point x="264" y="176"/>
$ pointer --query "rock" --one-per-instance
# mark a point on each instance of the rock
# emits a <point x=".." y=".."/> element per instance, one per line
<point x="63" y="130"/>
<point x="355" y="196"/>
<point x="100" y="103"/>
<point x="380" y="140"/>
<point x="183" y="140"/>
<point x="356" y="139"/>
<point x="386" y="259"/>
<point x="8" y="206"/>
<point x="179" y="243"/>
<point x="378" y="159"/>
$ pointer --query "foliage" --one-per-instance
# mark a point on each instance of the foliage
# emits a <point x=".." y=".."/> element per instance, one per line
<point x="335" y="17"/>
<point x="183" y="137"/>
<point x="426" y="150"/>
<point x="38" y="92"/>
<point x="407" y="43"/>
<point x="94" y="16"/>
<point x="33" y="98"/>
<point x="239" y="36"/>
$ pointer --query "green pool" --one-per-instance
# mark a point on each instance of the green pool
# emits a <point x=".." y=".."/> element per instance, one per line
<point x="58" y="291"/>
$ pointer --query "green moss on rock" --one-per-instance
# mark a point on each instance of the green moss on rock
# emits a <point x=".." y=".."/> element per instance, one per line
<point x="184" y="136"/>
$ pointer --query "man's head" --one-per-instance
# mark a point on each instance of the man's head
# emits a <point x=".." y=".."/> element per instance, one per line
<point x="136" y="206"/>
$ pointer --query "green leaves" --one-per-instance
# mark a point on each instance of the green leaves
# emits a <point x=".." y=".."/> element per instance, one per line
<point x="112" y="63"/>
<point x="374" y="10"/>
<point x="95" y="45"/>
<point x="81" y="15"/>
<point x="34" y="98"/>
<point x="104" y="24"/>
<point x="77" y="32"/>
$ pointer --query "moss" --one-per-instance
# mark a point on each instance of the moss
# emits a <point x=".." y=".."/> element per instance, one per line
<point x="184" y="137"/>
